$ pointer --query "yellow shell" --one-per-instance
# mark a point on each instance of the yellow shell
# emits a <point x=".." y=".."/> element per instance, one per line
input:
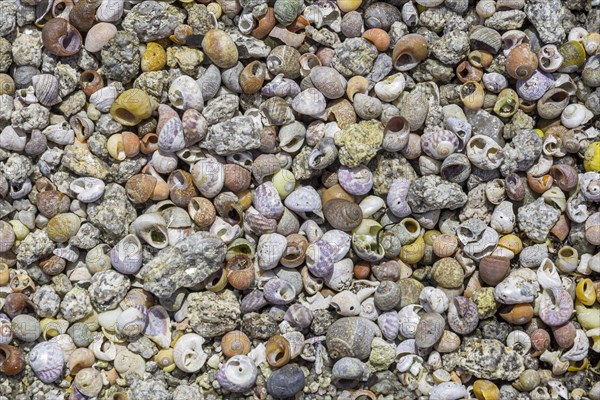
<point x="154" y="57"/>
<point x="215" y="9"/>
<point x="573" y="53"/>
<point x="591" y="160"/>
<point x="63" y="227"/>
<point x="284" y="182"/>
<point x="586" y="292"/>
<point x="540" y="133"/>
<point x="414" y="252"/>
<point x="575" y="366"/>
<point x="348" y="5"/>
<point x="512" y="243"/>
<point x="588" y="317"/>
<point x="131" y="107"/>
<point x="164" y="360"/>
<point x="486" y="390"/>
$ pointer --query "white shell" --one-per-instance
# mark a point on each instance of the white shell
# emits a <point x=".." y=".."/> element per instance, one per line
<point x="103" y="349"/>
<point x="126" y="256"/>
<point x="238" y="374"/>
<point x="484" y="152"/>
<point x="309" y="102"/>
<point x="547" y="275"/>
<point x="87" y="189"/>
<point x="575" y="115"/>
<point x="151" y="227"/>
<point x="110" y="10"/>
<point x="346" y="303"/>
<point x="209" y="176"/>
<point x="12" y="139"/>
<point x="60" y="133"/>
<point x="341" y="277"/>
<point x="503" y="218"/>
<point x="108" y="319"/>
<point x="188" y="353"/>
<point x="46" y="361"/>
<point x="225" y="231"/>
<point x="409" y="319"/>
<point x="368" y="309"/>
<point x="433" y="300"/>
<point x="520" y="341"/>
<point x="104" y="98"/>
<point x="128" y="363"/>
<point x="185" y="93"/>
<point x="580" y="347"/>
<point x="370" y="205"/>
<point x="270" y="249"/>
<point x="340" y="241"/>
<point x="131" y="322"/>
<point x="390" y="88"/>
<point x="520" y="286"/>
<point x="304" y="199"/>
<point x="448" y="391"/>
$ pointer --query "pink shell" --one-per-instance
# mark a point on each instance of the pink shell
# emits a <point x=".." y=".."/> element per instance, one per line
<point x="46" y="360"/>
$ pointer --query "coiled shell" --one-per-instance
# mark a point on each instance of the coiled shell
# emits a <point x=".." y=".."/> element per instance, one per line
<point x="46" y="361"/>
<point x="238" y="374"/>
<point x="188" y="353"/>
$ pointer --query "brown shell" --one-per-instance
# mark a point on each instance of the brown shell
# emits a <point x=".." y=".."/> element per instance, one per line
<point x="131" y="144"/>
<point x="378" y="37"/>
<point x="237" y="178"/>
<point x="253" y="77"/>
<point x="202" y="212"/>
<point x="16" y="304"/>
<point x="12" y="360"/>
<point x="564" y="335"/>
<point x="268" y="140"/>
<point x="517" y="314"/>
<point x="278" y="351"/>
<point x="562" y="228"/>
<point x="52" y="202"/>
<point x="335" y="192"/>
<point x="235" y="343"/>
<point x="229" y="208"/>
<point x="362" y="270"/>
<point x="540" y="340"/>
<point x="410" y="49"/>
<point x="137" y="297"/>
<point x="521" y="62"/>
<point x="4" y="273"/>
<point x="53" y="265"/>
<point x="429" y="330"/>
<point x="90" y="81"/>
<point x="181" y="187"/>
<point x="445" y="245"/>
<point x="466" y="72"/>
<point x="61" y="38"/>
<point x="149" y="143"/>
<point x="515" y="188"/>
<point x="480" y="58"/>
<point x="357" y="84"/>
<point x="240" y="272"/>
<point x="83" y="14"/>
<point x="342" y="214"/>
<point x="295" y="251"/>
<point x="565" y="176"/>
<point x="493" y="269"/>
<point x="140" y="188"/>
<point x="539" y="184"/>
<point x="265" y="24"/>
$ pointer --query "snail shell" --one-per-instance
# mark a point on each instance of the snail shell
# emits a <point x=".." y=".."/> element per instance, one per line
<point x="429" y="330"/>
<point x="46" y="361"/>
<point x="238" y="374"/>
<point x="12" y="360"/>
<point x="61" y="38"/>
<point x="328" y="81"/>
<point x="47" y="89"/>
<point x="131" y="322"/>
<point x="185" y="93"/>
<point x="188" y="353"/>
<point x="342" y="214"/>
<point x="351" y="337"/>
<point x="88" y="382"/>
<point x="409" y="51"/>
<point x="235" y="343"/>
<point x="126" y="256"/>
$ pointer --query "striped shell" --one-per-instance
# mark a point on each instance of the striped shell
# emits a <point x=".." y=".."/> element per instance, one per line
<point x="47" y="89"/>
<point x="46" y="360"/>
<point x="439" y="144"/>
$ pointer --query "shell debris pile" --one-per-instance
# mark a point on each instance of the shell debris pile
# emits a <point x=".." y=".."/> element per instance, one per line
<point x="310" y="199"/>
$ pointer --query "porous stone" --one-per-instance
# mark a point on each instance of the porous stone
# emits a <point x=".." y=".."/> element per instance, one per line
<point x="522" y="152"/>
<point x="112" y="214"/>
<point x="232" y="137"/>
<point x="432" y="192"/>
<point x="107" y="290"/>
<point x="213" y="314"/>
<point x="546" y="16"/>
<point x="358" y="143"/>
<point x="152" y="20"/>
<point x="186" y="264"/>
<point x="121" y="57"/>
<point x="76" y="304"/>
<point x="35" y="246"/>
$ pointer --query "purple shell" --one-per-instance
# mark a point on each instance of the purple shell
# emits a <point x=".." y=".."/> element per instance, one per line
<point x="266" y="200"/>
<point x="356" y="181"/>
<point x="299" y="316"/>
<point x="46" y="360"/>
<point x="389" y="323"/>
<point x="279" y="292"/>
<point x="237" y="374"/>
<point x="258" y="223"/>
<point x="396" y="198"/>
<point x="253" y="302"/>
<point x="556" y="306"/>
<point x="534" y="88"/>
<point x="320" y="257"/>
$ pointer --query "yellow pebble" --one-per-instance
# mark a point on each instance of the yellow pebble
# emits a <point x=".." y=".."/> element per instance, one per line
<point x="154" y="58"/>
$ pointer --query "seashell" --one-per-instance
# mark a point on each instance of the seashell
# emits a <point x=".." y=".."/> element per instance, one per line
<point x="472" y="95"/>
<point x="507" y="103"/>
<point x="368" y="309"/>
<point x="46" y="89"/>
<point x="88" y="382"/>
<point x="309" y="102"/>
<point x="257" y="223"/>
<point x="60" y="133"/>
<point x="277" y="351"/>
<point x="266" y="200"/>
<point x="573" y="54"/>
<point x="493" y="269"/>
<point x="349" y="372"/>
<point x="131" y="107"/>
<point x="389" y="324"/>
<point x="276" y="111"/>
<point x="439" y="144"/>
<point x="252" y="77"/>
<point x="448" y="391"/>
<point x="390" y="88"/>
<point x="357" y="181"/>
<point x="348" y="5"/>
<point x="104" y="98"/>
<point x="328" y="81"/>
<point x="279" y="292"/>
<point x="158" y="326"/>
<point x="12" y="139"/>
<point x="131" y="322"/>
<point x="409" y="51"/>
<point x="575" y="115"/>
<point x="387" y="295"/>
<point x="486" y="39"/>
<point x="80" y="358"/>
<point x="291" y="137"/>
<point x="202" y="211"/>
<point x="188" y="353"/>
<point x="270" y="249"/>
<point x="184" y="94"/>
<point x="484" y="152"/>
<point x="284" y="60"/>
<point x="463" y="316"/>
<point x="61" y="38"/>
<point x="323" y="155"/>
<point x="480" y="58"/>
<point x="110" y="10"/>
<point x="396" y="198"/>
<point x="208" y="176"/>
<point x="429" y="330"/>
<point x="46" y="361"/>
<point x="152" y="228"/>
<point x="367" y="107"/>
<point x="90" y="82"/>
<point x="346" y="303"/>
<point x="235" y="343"/>
<point x="552" y="103"/>
<point x="356" y="84"/>
<point x="589" y="185"/>
<point x="556" y="306"/>
<point x="12" y="360"/>
<point x="521" y="62"/>
<point x="281" y="87"/>
<point x="378" y="37"/>
<point x="466" y="72"/>
<point x="342" y="214"/>
<point x="238" y="374"/>
<point x="299" y="316"/>
<point x="351" y="337"/>
<point x="304" y="200"/>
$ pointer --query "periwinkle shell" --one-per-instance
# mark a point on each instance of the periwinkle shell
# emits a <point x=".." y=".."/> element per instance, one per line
<point x="351" y="337"/>
<point x="46" y="361"/>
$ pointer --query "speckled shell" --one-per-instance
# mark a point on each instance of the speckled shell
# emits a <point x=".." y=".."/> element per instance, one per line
<point x="535" y="86"/>
<point x="238" y="374"/>
<point x="556" y="306"/>
<point x="46" y="361"/>
<point x="158" y="327"/>
<point x="389" y="324"/>
<point x="320" y="257"/>
<point x="328" y="81"/>
<point x="439" y="144"/>
<point x="351" y="337"/>
<point x="299" y="316"/>
<point x="266" y="200"/>
<point x="208" y="176"/>
<point x="429" y="330"/>
<point x="303" y="199"/>
<point x="463" y="316"/>
<point x="185" y="93"/>
<point x="220" y="48"/>
<point x="279" y="292"/>
<point x="310" y="102"/>
<point x="284" y="60"/>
